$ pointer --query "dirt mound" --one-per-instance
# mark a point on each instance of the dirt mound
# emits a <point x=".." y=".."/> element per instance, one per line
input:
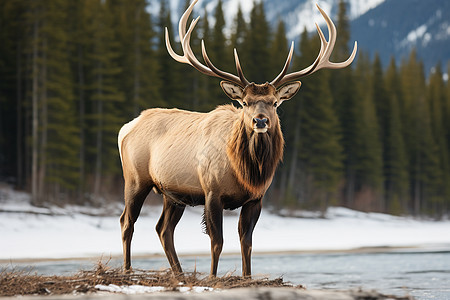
<point x="13" y="283"/>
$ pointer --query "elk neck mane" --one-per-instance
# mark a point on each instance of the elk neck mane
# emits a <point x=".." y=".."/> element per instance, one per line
<point x="254" y="157"/>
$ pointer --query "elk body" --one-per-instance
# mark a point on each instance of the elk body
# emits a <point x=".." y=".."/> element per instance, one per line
<point x="223" y="159"/>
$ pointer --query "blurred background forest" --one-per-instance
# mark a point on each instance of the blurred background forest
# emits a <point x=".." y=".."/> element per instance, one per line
<point x="369" y="137"/>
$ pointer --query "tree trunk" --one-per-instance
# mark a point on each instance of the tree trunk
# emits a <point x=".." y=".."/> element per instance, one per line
<point x="293" y="166"/>
<point x="44" y="123"/>
<point x="98" y="161"/>
<point x="350" y="188"/>
<point x="19" y="133"/>
<point x="35" y="115"/>
<point x="137" y="63"/>
<point x="81" y="121"/>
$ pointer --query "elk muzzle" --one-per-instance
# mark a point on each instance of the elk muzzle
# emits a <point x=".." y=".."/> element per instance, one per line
<point x="260" y="125"/>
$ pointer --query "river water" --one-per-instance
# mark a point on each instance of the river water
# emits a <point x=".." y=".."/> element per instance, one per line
<point x="424" y="275"/>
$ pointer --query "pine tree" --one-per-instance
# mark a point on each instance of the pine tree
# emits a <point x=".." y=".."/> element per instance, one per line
<point x="380" y="98"/>
<point x="447" y="127"/>
<point x="105" y="96"/>
<point x="206" y="85"/>
<point x="343" y="89"/>
<point x="291" y="184"/>
<point x="139" y="80"/>
<point x="216" y="48"/>
<point x="257" y="46"/>
<point x="169" y="71"/>
<point x="219" y="55"/>
<point x="341" y="48"/>
<point x="368" y="159"/>
<point x="239" y="31"/>
<point x="55" y="136"/>
<point x="381" y="102"/>
<point x="278" y="49"/>
<point x="436" y="99"/>
<point x="79" y="21"/>
<point x="63" y="137"/>
<point x="320" y="151"/>
<point x="290" y="119"/>
<point x="424" y="170"/>
<point x="395" y="158"/>
<point x="12" y="77"/>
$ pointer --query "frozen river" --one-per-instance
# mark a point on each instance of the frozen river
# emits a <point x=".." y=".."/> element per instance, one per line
<point x="424" y="275"/>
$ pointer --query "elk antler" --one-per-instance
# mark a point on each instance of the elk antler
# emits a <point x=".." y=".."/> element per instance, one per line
<point x="189" y="57"/>
<point x="323" y="59"/>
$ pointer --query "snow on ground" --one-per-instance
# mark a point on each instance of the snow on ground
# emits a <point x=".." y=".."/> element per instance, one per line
<point x="30" y="232"/>
<point x="140" y="289"/>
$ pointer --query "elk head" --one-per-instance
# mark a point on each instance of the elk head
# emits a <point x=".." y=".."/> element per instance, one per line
<point x="259" y="101"/>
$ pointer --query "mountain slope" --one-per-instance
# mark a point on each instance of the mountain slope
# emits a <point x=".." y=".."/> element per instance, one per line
<point x="395" y="27"/>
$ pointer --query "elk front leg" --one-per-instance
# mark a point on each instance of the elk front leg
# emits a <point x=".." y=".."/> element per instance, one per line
<point x="213" y="219"/>
<point x="134" y="198"/>
<point x="249" y="216"/>
<point x="165" y="228"/>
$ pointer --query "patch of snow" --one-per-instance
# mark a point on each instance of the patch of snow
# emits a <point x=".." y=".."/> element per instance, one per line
<point x="195" y="289"/>
<point x="41" y="235"/>
<point x="444" y="32"/>
<point x="360" y="7"/>
<point x="417" y="33"/>
<point x="415" y="36"/>
<point x="426" y="39"/>
<point x="129" y="289"/>
<point x="140" y="289"/>
<point x="305" y="15"/>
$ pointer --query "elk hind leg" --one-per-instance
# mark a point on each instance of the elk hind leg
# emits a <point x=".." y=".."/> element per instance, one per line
<point x="165" y="228"/>
<point x="135" y="195"/>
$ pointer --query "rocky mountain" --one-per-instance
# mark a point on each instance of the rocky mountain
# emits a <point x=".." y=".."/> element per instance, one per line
<point x="395" y="27"/>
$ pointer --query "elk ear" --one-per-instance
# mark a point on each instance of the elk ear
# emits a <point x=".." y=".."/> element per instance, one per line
<point x="288" y="91"/>
<point x="232" y="90"/>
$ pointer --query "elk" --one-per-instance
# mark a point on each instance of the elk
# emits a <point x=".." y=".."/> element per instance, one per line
<point x="223" y="159"/>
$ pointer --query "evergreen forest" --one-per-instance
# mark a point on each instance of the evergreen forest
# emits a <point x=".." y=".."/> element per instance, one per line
<point x="369" y="137"/>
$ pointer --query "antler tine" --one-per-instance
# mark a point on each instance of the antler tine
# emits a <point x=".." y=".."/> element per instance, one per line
<point x="172" y="53"/>
<point x="181" y="32"/>
<point x="239" y="69"/>
<point x="189" y="56"/>
<point x="220" y="73"/>
<point x="184" y="18"/>
<point x="285" y="68"/>
<point x="323" y="59"/>
<point x="280" y="80"/>
<point x="326" y="63"/>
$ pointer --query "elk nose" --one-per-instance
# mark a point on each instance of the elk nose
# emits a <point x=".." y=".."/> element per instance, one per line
<point x="260" y="123"/>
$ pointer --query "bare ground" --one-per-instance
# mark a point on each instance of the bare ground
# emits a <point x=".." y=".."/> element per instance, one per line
<point x="13" y="283"/>
<point x="81" y="286"/>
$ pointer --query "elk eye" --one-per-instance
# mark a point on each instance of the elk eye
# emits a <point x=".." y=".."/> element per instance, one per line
<point x="275" y="104"/>
<point x="244" y="103"/>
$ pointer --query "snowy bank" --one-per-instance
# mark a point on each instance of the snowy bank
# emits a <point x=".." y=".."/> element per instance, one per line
<point x="30" y="232"/>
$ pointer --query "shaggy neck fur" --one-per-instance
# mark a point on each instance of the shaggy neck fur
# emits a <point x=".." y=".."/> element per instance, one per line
<point x="254" y="157"/>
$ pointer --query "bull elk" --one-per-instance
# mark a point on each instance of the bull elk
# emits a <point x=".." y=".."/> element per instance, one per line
<point x="223" y="159"/>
